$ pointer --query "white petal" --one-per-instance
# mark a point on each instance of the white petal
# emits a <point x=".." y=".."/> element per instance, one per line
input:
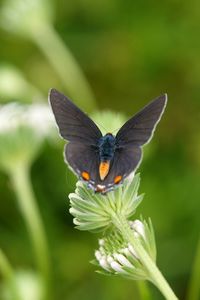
<point x="104" y="264"/>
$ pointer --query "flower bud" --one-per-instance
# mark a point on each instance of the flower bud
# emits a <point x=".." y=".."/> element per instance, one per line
<point x="118" y="257"/>
<point x="22" y="130"/>
<point x="94" y="211"/>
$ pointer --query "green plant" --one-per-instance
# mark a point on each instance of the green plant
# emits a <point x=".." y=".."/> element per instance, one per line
<point x="127" y="248"/>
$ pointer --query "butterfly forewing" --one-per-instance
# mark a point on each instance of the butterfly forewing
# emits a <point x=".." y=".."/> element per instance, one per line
<point x="73" y="124"/>
<point x="139" y="129"/>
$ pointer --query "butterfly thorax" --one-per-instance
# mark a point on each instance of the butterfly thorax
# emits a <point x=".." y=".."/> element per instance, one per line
<point x="107" y="147"/>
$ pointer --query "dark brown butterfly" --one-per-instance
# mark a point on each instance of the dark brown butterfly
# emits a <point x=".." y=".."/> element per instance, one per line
<point x="103" y="161"/>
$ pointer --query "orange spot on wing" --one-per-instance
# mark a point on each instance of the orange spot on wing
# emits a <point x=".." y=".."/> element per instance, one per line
<point x="104" y="168"/>
<point x="117" y="179"/>
<point x="85" y="175"/>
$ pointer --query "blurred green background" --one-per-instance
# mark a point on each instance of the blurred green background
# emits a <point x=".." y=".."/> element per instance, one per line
<point x="130" y="53"/>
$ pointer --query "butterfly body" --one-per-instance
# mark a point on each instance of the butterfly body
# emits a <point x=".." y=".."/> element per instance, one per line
<point x="103" y="162"/>
<point x="107" y="146"/>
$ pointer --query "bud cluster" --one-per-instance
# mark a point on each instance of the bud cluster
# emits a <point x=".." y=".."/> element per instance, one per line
<point x="118" y="257"/>
<point x="94" y="211"/>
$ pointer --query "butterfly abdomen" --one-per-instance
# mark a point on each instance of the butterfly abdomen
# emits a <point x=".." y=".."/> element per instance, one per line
<point x="106" y="154"/>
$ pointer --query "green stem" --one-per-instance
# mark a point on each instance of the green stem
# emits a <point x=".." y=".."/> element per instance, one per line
<point x="65" y="65"/>
<point x="154" y="273"/>
<point x="8" y="274"/>
<point x="27" y="204"/>
<point x="194" y="284"/>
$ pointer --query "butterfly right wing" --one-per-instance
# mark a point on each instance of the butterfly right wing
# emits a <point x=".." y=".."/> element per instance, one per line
<point x="138" y="130"/>
<point x="125" y="162"/>
<point x="74" y="125"/>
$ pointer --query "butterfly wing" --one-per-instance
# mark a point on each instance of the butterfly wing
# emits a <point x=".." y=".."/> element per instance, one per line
<point x="83" y="159"/>
<point x="125" y="161"/>
<point x="74" y="125"/>
<point x="139" y="129"/>
<point x="129" y="139"/>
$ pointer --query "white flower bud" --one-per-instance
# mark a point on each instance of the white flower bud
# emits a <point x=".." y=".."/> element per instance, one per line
<point x="110" y="259"/>
<point x="22" y="130"/>
<point x="98" y="255"/>
<point x="122" y="260"/>
<point x="117" y="267"/>
<point x="104" y="264"/>
<point x="138" y="227"/>
<point x="126" y="251"/>
<point x="130" y="247"/>
<point x="118" y="256"/>
<point x="101" y="242"/>
<point x="101" y="248"/>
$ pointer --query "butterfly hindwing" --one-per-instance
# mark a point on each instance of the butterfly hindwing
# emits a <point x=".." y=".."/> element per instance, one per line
<point x="139" y="129"/>
<point x="83" y="159"/>
<point x="73" y="124"/>
<point x="124" y="162"/>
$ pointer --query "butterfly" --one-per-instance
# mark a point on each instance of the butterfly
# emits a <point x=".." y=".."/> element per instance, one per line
<point x="103" y="162"/>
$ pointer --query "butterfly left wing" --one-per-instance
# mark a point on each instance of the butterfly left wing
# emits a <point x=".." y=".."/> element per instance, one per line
<point x="74" y="125"/>
<point x="139" y="129"/>
<point x="84" y="161"/>
<point x="81" y="132"/>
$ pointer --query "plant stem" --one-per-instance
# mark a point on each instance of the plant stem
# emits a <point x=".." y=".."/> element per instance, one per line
<point x="27" y="204"/>
<point x="154" y="273"/>
<point x="65" y="65"/>
<point x="8" y="275"/>
<point x="194" y="284"/>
